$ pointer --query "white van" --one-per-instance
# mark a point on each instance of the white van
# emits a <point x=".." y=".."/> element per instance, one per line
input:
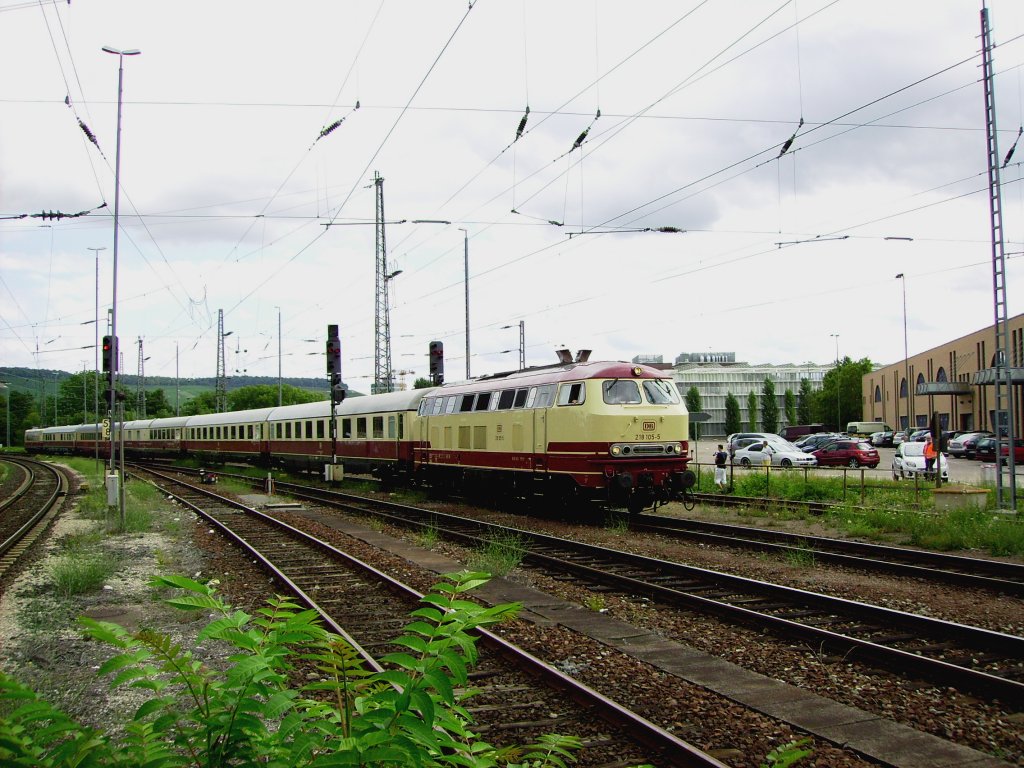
<point x="866" y="428"/>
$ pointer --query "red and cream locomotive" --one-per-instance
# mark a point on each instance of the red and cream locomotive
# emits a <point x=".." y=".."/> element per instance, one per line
<point x="614" y="432"/>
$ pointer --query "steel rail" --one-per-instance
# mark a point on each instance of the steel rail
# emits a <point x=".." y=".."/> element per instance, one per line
<point x="28" y="533"/>
<point x="558" y="558"/>
<point x="932" y="566"/>
<point x="679" y="752"/>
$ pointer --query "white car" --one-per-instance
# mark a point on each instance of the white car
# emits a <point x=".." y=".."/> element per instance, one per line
<point x="783" y="455"/>
<point x="909" y="462"/>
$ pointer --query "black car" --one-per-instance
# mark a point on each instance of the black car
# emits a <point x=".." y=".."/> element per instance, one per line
<point x="811" y="443"/>
<point x="985" y="449"/>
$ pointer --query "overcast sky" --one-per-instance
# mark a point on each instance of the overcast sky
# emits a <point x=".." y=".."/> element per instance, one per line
<point x="227" y="188"/>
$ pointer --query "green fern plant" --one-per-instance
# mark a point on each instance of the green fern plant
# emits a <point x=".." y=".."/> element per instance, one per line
<point x="410" y="714"/>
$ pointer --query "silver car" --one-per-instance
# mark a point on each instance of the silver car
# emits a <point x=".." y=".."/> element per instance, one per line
<point x="782" y="455"/>
<point x="909" y="462"/>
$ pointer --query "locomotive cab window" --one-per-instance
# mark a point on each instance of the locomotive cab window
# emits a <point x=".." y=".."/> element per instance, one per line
<point x="482" y="401"/>
<point x="520" y="400"/>
<point x="545" y="396"/>
<point x="506" y="398"/>
<point x="621" y="392"/>
<point x="660" y="392"/>
<point x="572" y="394"/>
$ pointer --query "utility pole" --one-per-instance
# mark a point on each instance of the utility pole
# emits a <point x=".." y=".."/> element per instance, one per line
<point x="382" y="374"/>
<point x="221" y="385"/>
<point x="140" y="385"/>
<point x="1002" y="373"/>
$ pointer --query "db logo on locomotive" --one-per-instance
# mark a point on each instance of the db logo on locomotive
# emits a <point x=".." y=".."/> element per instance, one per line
<point x="649" y="426"/>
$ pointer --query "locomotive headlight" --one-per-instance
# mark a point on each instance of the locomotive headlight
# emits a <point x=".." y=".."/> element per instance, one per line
<point x="615" y="450"/>
<point x="675" y="448"/>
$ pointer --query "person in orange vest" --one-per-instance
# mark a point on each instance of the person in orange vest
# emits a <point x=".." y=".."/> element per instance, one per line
<point x="929" y="455"/>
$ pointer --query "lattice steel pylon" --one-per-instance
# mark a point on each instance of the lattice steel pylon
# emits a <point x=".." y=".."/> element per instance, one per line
<point x="383" y="377"/>
<point x="221" y="387"/>
<point x="1006" y="498"/>
<point x="140" y="387"/>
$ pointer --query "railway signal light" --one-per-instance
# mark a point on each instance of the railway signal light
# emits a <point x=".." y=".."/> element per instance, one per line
<point x="109" y="354"/>
<point x="437" y="362"/>
<point x="333" y="354"/>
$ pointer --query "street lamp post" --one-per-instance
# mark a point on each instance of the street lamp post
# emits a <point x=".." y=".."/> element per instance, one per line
<point x="117" y="209"/>
<point x="96" y="359"/>
<point x="839" y="420"/>
<point x="906" y="357"/>
<point x="465" y="265"/>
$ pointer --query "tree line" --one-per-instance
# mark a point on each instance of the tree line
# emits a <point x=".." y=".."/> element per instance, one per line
<point x="837" y="403"/>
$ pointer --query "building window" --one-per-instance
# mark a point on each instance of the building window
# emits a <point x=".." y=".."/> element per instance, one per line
<point x="903" y="388"/>
<point x="941" y="375"/>
<point x="878" y="394"/>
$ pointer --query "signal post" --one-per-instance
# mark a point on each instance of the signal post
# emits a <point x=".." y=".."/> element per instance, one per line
<point x="334" y="471"/>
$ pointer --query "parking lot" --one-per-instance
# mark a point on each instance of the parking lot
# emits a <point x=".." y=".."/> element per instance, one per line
<point x="966" y="471"/>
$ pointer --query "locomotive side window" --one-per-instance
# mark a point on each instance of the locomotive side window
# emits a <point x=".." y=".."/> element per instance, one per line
<point x="482" y="401"/>
<point x="346" y="427"/>
<point x="545" y="396"/>
<point x="378" y="426"/>
<point x="620" y="392"/>
<point x="571" y="394"/>
<point x="449" y="404"/>
<point x="520" y="400"/>
<point x="361" y="427"/>
<point x="495" y="400"/>
<point x="425" y="405"/>
<point x="505" y="399"/>
<point x="660" y="392"/>
<point x="466" y="404"/>
<point x="438" y="405"/>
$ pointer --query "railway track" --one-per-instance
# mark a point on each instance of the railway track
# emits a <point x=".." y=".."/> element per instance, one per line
<point x="369" y="609"/>
<point x="26" y="514"/>
<point x="986" y="663"/>
<point x="1007" y="578"/>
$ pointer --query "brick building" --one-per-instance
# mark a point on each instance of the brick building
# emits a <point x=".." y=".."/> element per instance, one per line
<point x="954" y="379"/>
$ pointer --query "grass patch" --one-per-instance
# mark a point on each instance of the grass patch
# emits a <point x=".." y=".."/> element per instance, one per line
<point x="74" y="574"/>
<point x="500" y="555"/>
<point x="802" y="557"/>
<point x="44" y="614"/>
<point x="616" y="523"/>
<point x="428" y="536"/>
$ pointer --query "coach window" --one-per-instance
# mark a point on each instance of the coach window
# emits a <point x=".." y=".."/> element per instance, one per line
<point x="401" y="426"/>
<point x="205" y="433"/>
<point x="320" y="429"/>
<point x="391" y="426"/>
<point x="233" y="432"/>
<point x="277" y="430"/>
<point x="248" y="431"/>
<point x="298" y="430"/>
<point x="508" y="399"/>
<point x="361" y="427"/>
<point x="660" y="392"/>
<point x="309" y="430"/>
<point x="346" y="427"/>
<point x="620" y="392"/>
<point x="482" y="401"/>
<point x="378" y="427"/>
<point x="287" y="430"/>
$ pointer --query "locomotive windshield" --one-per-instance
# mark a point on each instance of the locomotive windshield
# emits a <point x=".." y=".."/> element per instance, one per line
<point x="621" y="392"/>
<point x="660" y="391"/>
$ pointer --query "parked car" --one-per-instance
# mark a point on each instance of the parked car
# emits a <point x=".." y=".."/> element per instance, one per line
<point x="964" y="444"/>
<point x="919" y="435"/>
<point x="784" y="454"/>
<point x="909" y="462"/>
<point x="812" y="443"/>
<point x="882" y="439"/>
<point x="898" y="437"/>
<point x="796" y="431"/>
<point x="852" y="453"/>
<point x="985" y="449"/>
<point x="1018" y="452"/>
<point x="733" y="440"/>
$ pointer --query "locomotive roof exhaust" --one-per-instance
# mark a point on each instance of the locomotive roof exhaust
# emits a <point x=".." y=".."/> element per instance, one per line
<point x="565" y="356"/>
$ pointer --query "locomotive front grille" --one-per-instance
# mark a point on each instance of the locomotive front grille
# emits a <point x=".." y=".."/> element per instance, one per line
<point x="647" y="450"/>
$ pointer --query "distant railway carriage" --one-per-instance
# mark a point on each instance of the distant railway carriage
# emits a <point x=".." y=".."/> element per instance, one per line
<point x="612" y="432"/>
